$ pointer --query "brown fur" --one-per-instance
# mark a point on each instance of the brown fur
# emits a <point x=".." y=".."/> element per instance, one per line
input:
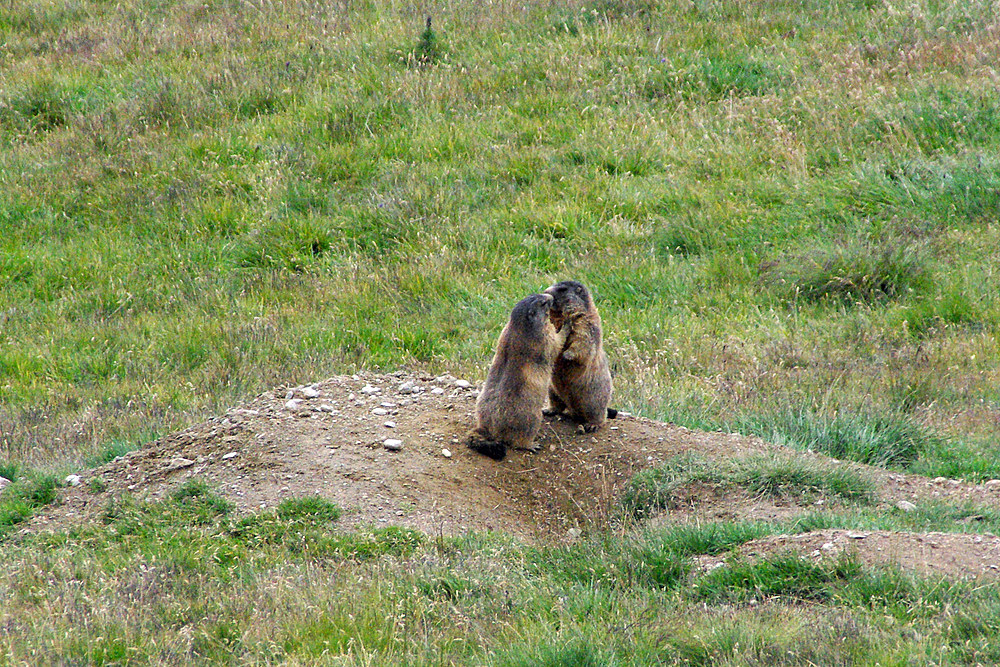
<point x="581" y="377"/>
<point x="509" y="407"/>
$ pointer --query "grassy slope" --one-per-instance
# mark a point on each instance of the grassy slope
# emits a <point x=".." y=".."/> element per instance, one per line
<point x="788" y="210"/>
<point x="779" y="207"/>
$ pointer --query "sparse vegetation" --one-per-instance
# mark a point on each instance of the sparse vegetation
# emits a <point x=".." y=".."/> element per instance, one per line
<point x="787" y="213"/>
<point x="29" y="491"/>
<point x="269" y="588"/>
<point x="655" y="489"/>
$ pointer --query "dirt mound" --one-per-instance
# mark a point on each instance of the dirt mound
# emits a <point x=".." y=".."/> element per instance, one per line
<point x="954" y="555"/>
<point x="328" y="439"/>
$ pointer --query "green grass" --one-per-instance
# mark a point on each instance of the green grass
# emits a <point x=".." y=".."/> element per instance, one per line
<point x="781" y="576"/>
<point x="293" y="586"/>
<point x="709" y="538"/>
<point x="786" y="212"/>
<point x="656" y="489"/>
<point x="29" y="491"/>
<point x="775" y="476"/>
<point x="374" y="198"/>
<point x="310" y="509"/>
<point x="875" y="439"/>
<point x="652" y="489"/>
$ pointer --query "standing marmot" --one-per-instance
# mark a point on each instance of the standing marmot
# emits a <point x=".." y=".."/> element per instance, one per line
<point x="581" y="379"/>
<point x="509" y="408"/>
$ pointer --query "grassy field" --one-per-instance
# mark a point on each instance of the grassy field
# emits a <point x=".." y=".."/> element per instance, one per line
<point x="788" y="212"/>
<point x="181" y="581"/>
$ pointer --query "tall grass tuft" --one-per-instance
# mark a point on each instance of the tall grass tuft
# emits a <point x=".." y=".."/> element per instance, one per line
<point x="655" y="489"/>
<point x="885" y="440"/>
<point x="652" y="490"/>
<point x="28" y="492"/>
<point x="777" y="476"/>
<point x="309" y="509"/>
<point x="784" y="575"/>
<point x="575" y="652"/>
<point x="710" y="538"/>
<point x="869" y="272"/>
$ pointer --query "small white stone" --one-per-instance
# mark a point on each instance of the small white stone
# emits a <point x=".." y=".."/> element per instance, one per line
<point x="446" y="453"/>
<point x="290" y="394"/>
<point x="407" y="388"/>
<point x="326" y="407"/>
<point x="370" y="390"/>
<point x="390" y="424"/>
<point x="310" y="392"/>
<point x="294" y="405"/>
<point x="73" y="480"/>
<point x="940" y="480"/>
<point x="463" y="384"/>
<point x="574" y="533"/>
<point x="380" y="412"/>
<point x="992" y="483"/>
<point x="856" y="536"/>
<point x="827" y="547"/>
<point x="906" y="506"/>
<point x="387" y="404"/>
<point x="392" y="444"/>
<point x="180" y="462"/>
<point x="4" y="483"/>
<point x="437" y="390"/>
<point x="230" y="455"/>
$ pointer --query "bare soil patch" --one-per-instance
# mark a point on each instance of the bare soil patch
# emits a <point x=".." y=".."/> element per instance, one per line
<point x="328" y="439"/>
<point x="952" y="555"/>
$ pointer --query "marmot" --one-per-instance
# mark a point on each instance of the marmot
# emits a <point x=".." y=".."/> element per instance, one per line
<point x="509" y="407"/>
<point x="581" y="378"/>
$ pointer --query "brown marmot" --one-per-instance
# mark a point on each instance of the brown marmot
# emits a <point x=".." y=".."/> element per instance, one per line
<point x="509" y="407"/>
<point x="581" y="378"/>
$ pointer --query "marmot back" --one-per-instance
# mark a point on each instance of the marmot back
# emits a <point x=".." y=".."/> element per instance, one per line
<point x="509" y="407"/>
<point x="581" y="377"/>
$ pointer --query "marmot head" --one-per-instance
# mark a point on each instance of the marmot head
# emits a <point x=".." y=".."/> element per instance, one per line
<point x="531" y="313"/>
<point x="569" y="297"/>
